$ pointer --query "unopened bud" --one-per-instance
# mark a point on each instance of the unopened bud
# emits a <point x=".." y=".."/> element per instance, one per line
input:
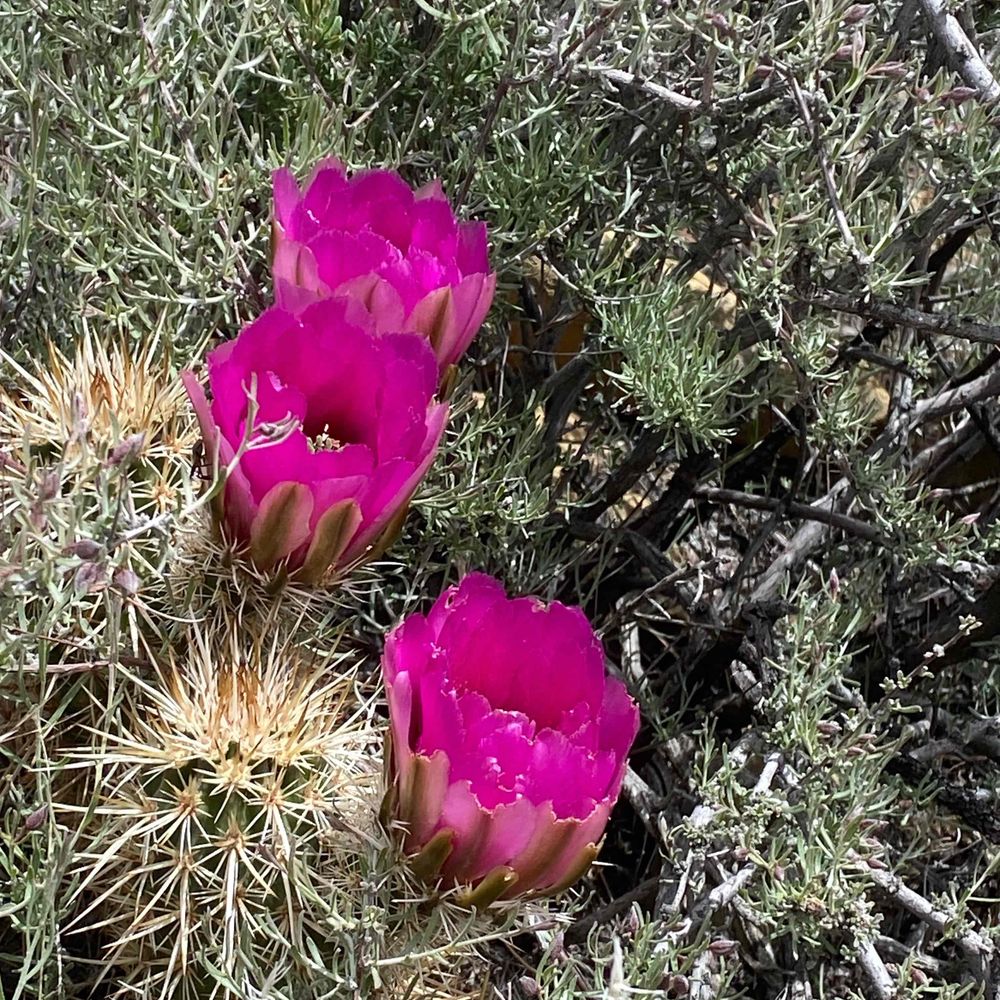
<point x="37" y="516"/>
<point x="721" y="25"/>
<point x="558" y="947"/>
<point x="127" y="581"/>
<point x="857" y="13"/>
<point x="722" y="946"/>
<point x="85" y="549"/>
<point x="49" y="485"/>
<point x="10" y="463"/>
<point x="89" y="577"/>
<point x="37" y="819"/>
<point x="126" y="449"/>
<point x="892" y="70"/>
<point x="678" y="985"/>
<point x="958" y="95"/>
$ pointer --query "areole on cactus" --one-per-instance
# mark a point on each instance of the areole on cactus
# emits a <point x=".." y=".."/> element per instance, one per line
<point x="509" y="741"/>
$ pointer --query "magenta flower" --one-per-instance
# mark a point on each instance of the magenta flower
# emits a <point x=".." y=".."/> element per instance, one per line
<point x="400" y="252"/>
<point x="329" y="428"/>
<point x="509" y="742"/>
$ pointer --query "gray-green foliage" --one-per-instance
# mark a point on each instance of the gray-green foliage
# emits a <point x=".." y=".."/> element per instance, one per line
<point x="677" y="363"/>
<point x="800" y="158"/>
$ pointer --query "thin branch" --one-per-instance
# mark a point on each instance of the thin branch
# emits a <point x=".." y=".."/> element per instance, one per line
<point x="561" y="391"/>
<point x="977" y="949"/>
<point x="623" y="477"/>
<point x="883" y="986"/>
<point x="985" y="387"/>
<point x="654" y="522"/>
<point x="965" y="802"/>
<point x="794" y="509"/>
<point x="643" y="549"/>
<point x="863" y="259"/>
<point x="680" y="101"/>
<point x="962" y="54"/>
<point x="701" y="985"/>
<point x="896" y="951"/>
<point x="644" y="892"/>
<point x="644" y="800"/>
<point x="880" y="360"/>
<point x="800" y="544"/>
<point x="810" y="535"/>
<point x="883" y="311"/>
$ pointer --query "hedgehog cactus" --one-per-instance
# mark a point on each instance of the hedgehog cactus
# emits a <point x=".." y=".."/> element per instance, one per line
<point x="235" y="809"/>
<point x="105" y="403"/>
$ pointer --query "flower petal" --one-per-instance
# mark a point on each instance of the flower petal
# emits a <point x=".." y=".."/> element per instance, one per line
<point x="330" y="536"/>
<point x="422" y="796"/>
<point x="511" y="696"/>
<point x="324" y="195"/>
<point x="395" y="483"/>
<point x="472" y="254"/>
<point x="285" y="191"/>
<point x="434" y="317"/>
<point x="235" y="508"/>
<point x="484" y="838"/>
<point x="341" y="233"/>
<point x="460" y="608"/>
<point x="408" y="650"/>
<point x="342" y="256"/>
<point x="203" y="412"/>
<point x="281" y="524"/>
<point x="556" y="847"/>
<point x="377" y="295"/>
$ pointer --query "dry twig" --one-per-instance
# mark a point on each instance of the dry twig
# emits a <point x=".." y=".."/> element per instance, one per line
<point x="962" y="54"/>
<point x="977" y="950"/>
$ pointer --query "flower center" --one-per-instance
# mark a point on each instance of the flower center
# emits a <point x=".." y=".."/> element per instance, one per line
<point x="330" y="429"/>
<point x="507" y="778"/>
<point x="325" y="441"/>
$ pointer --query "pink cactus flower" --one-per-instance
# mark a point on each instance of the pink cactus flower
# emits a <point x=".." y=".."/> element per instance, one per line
<point x="328" y="427"/>
<point x="400" y="252"/>
<point x="509" y="741"/>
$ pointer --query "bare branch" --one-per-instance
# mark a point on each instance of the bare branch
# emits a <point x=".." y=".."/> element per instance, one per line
<point x="962" y="54"/>
<point x="794" y="509"/>
<point x="985" y="387"/>
<point x="680" y="101"/>
<point x="977" y="949"/>
<point x="883" y="986"/>
<point x="859" y="255"/>
<point x="800" y="545"/>
<point x="889" y="312"/>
